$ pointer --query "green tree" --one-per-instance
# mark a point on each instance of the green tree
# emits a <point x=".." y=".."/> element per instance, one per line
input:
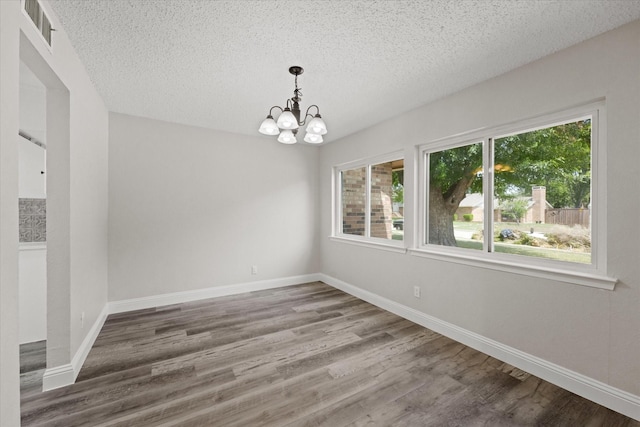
<point x="558" y="157"/>
<point x="514" y="208"/>
<point x="451" y="173"/>
<point x="397" y="177"/>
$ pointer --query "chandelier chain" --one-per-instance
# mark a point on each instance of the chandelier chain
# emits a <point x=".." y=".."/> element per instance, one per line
<point x="297" y="93"/>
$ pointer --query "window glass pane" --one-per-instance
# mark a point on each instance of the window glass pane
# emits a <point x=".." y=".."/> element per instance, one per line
<point x="542" y="185"/>
<point x="353" y="184"/>
<point x="387" y="203"/>
<point x="456" y="201"/>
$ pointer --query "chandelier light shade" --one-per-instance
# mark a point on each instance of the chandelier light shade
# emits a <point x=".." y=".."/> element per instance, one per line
<point x="312" y="138"/>
<point x="288" y="123"/>
<point x="269" y="126"/>
<point x="287" y="120"/>
<point x="316" y="126"/>
<point x="287" y="137"/>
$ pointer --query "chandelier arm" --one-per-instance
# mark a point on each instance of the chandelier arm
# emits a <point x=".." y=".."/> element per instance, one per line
<point x="275" y="106"/>
<point x="307" y="114"/>
<point x="305" y="119"/>
<point x="314" y="105"/>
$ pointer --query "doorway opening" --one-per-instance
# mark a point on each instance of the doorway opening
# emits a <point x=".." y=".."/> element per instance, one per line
<point x="32" y="256"/>
<point x="44" y="136"/>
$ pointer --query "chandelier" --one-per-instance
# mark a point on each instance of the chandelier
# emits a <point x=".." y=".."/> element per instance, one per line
<point x="289" y="120"/>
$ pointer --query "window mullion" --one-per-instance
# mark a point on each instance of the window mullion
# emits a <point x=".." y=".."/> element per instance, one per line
<point x="425" y="203"/>
<point x="367" y="203"/>
<point x="488" y="189"/>
<point x="337" y="200"/>
<point x="598" y="198"/>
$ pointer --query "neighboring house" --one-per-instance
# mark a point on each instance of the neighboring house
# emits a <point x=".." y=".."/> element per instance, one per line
<point x="536" y="206"/>
<point x="473" y="204"/>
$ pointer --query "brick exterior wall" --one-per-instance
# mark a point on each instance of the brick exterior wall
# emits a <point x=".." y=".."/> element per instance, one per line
<point x="353" y="201"/>
<point x="381" y="200"/>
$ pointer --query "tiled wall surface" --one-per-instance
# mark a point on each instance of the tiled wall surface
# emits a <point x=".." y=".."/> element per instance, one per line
<point x="33" y="220"/>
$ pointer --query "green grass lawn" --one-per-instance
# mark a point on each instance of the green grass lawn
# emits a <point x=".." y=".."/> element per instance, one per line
<point x="478" y="226"/>
<point x="510" y="248"/>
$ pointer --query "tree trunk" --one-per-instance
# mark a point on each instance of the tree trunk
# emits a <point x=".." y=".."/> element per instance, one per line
<point x="442" y="206"/>
<point x="441" y="219"/>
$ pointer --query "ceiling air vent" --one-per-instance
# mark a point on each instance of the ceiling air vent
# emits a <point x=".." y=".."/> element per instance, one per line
<point x="39" y="18"/>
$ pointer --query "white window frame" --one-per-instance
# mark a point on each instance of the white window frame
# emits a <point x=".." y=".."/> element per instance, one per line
<point x="38" y="26"/>
<point x="594" y="274"/>
<point x="337" y="234"/>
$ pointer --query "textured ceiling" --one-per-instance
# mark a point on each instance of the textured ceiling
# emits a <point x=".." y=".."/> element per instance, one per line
<point x="223" y="64"/>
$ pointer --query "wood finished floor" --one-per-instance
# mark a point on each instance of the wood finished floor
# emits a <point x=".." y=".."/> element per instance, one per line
<point x="33" y="362"/>
<point x="305" y="355"/>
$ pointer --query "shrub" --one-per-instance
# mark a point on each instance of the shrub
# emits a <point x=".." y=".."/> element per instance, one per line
<point x="455" y="217"/>
<point x="468" y="217"/>
<point x="562" y="236"/>
<point x="529" y="240"/>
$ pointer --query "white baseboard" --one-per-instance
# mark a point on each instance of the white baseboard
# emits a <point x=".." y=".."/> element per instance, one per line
<point x="596" y="391"/>
<point x="213" y="292"/>
<point x="599" y="392"/>
<point x="64" y="375"/>
<point x="85" y="347"/>
<point x="58" y="376"/>
<point x="61" y="376"/>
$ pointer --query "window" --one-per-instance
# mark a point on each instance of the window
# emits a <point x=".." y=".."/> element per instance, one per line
<point x="39" y="18"/>
<point x="524" y="194"/>
<point x="542" y="185"/>
<point x="354" y="199"/>
<point x="456" y="199"/>
<point x="370" y="206"/>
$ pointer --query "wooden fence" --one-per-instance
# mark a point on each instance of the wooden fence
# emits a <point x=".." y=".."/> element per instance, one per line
<point x="568" y="216"/>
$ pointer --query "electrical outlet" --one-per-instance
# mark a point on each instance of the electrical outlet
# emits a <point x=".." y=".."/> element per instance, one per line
<point x="254" y="269"/>
<point x="416" y="291"/>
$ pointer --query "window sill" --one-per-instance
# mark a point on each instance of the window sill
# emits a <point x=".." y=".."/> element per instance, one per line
<point x="370" y="244"/>
<point x="574" y="277"/>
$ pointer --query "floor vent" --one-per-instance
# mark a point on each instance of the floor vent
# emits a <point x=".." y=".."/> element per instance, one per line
<point x="39" y="19"/>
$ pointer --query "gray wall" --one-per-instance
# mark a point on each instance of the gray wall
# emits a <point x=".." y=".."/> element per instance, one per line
<point x="590" y="331"/>
<point x="77" y="176"/>
<point x="193" y="208"/>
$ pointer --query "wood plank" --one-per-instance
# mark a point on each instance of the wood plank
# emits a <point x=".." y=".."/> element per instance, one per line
<point x="306" y="355"/>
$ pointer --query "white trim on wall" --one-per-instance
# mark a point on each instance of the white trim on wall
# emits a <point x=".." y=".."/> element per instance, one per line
<point x="212" y="292"/>
<point x="593" y="274"/>
<point x="599" y="392"/>
<point x="589" y="388"/>
<point x="60" y="376"/>
<point x="336" y="209"/>
<point x="64" y="375"/>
